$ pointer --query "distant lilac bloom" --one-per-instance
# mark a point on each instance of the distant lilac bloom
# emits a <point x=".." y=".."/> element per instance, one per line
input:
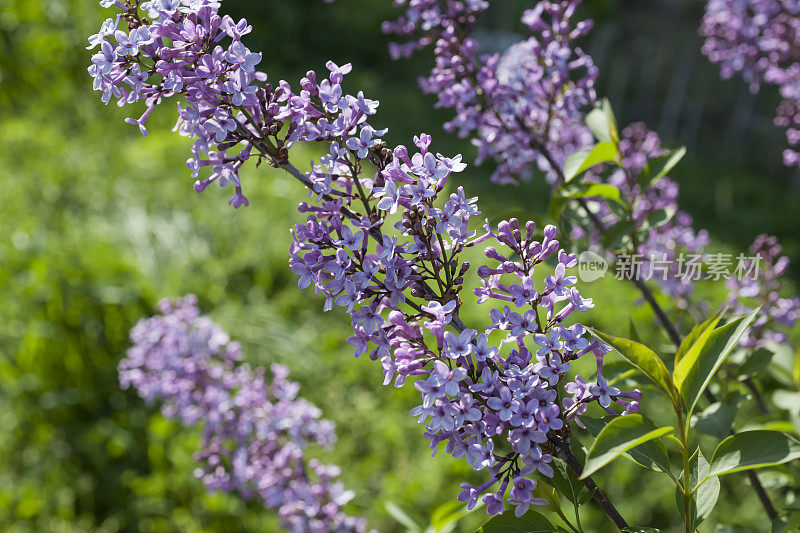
<point x="255" y="431"/>
<point x="757" y="281"/>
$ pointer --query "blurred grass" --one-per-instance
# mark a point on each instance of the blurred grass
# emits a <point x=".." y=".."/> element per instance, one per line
<point x="98" y="224"/>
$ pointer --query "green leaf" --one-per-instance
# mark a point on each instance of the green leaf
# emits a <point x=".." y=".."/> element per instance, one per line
<point x="783" y="426"/>
<point x="615" y="236"/>
<point x="786" y="523"/>
<point x="582" y="160"/>
<point x="401" y="516"/>
<point x="565" y="480"/>
<point x="659" y="218"/>
<point x="550" y="494"/>
<point x="651" y="454"/>
<point x="749" y="450"/>
<point x="633" y="333"/>
<point x="586" y="496"/>
<point x="755" y="362"/>
<point x="582" y="190"/>
<point x="530" y="522"/>
<point x="716" y="420"/>
<point x="706" y="495"/>
<point x="787" y="400"/>
<point x="645" y="360"/>
<point x="445" y="516"/>
<point x="635" y="529"/>
<point x="694" y="371"/>
<point x="691" y="339"/>
<point x="602" y="123"/>
<point x="619" y="436"/>
<point x="796" y="366"/>
<point x="596" y="190"/>
<point x="658" y="167"/>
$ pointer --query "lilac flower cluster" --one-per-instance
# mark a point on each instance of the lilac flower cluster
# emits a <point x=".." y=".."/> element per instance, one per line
<point x="761" y="287"/>
<point x="527" y="105"/>
<point x="517" y="104"/>
<point x="172" y="48"/>
<point x="497" y="409"/>
<point x="254" y="432"/>
<point x="664" y="241"/>
<point x="385" y="244"/>
<point x="760" y="39"/>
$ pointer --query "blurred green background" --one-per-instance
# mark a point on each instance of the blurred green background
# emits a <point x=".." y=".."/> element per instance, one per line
<point x="98" y="225"/>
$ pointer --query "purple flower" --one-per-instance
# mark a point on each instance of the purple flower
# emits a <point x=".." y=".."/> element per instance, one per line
<point x="240" y="56"/>
<point x="480" y="456"/>
<point x="547" y="418"/>
<point x="459" y="345"/>
<point x="548" y="343"/>
<point x="255" y="431"/>
<point x="523" y="293"/>
<point x="363" y="142"/>
<point x="481" y="350"/>
<point x="757" y="281"/>
<point x="538" y="461"/>
<point x="494" y="504"/>
<point x="384" y="242"/>
<point x="559" y="282"/>
<point x="603" y="391"/>
<point x="503" y="403"/>
<point x="447" y="378"/>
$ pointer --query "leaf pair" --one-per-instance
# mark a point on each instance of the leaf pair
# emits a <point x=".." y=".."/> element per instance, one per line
<point x="698" y="358"/>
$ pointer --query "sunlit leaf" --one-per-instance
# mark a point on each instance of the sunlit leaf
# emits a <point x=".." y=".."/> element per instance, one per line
<point x="619" y="436"/>
<point x="749" y="450"/>
<point x="694" y="371"/>
<point x="645" y="360"/>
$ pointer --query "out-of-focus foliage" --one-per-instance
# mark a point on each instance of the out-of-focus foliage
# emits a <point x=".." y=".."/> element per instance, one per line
<point x="98" y="224"/>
